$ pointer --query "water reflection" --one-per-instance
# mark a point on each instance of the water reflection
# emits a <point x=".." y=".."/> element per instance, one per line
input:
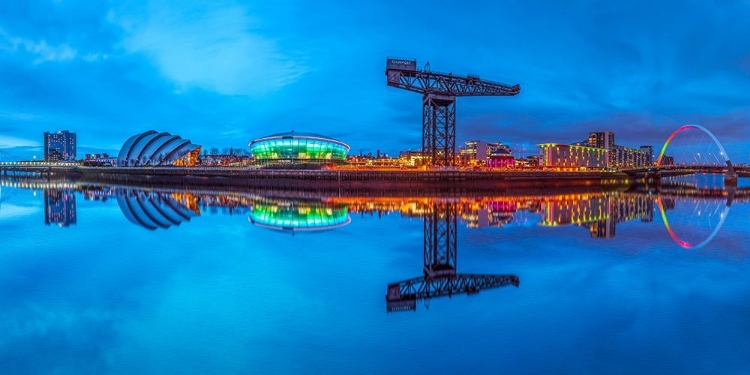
<point x="599" y="212"/>
<point x="153" y="209"/>
<point x="440" y="259"/>
<point x="692" y="213"/>
<point x="708" y="216"/>
<point x="60" y="207"/>
<point x="298" y="214"/>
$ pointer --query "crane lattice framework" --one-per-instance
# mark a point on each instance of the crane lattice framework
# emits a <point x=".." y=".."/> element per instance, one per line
<point x="439" y="92"/>
<point x="440" y="255"/>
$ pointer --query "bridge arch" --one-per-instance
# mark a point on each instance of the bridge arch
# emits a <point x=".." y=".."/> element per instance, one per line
<point x="692" y="126"/>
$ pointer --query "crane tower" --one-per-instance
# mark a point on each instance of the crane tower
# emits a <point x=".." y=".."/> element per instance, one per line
<point x="439" y="92"/>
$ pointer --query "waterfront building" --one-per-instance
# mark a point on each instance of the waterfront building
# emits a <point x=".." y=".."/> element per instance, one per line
<point x="571" y="157"/>
<point x="605" y="140"/>
<point x="501" y="158"/>
<point x="157" y="149"/>
<point x="622" y="157"/>
<point x="60" y="146"/>
<point x="296" y="147"/>
<point x="411" y="158"/>
<point x="479" y="153"/>
<point x="649" y="151"/>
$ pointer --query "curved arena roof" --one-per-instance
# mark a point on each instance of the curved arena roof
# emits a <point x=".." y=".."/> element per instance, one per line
<point x="153" y="148"/>
<point x="298" y="146"/>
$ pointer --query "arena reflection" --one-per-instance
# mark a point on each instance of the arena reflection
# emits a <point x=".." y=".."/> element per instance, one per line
<point x="297" y="214"/>
<point x="692" y="215"/>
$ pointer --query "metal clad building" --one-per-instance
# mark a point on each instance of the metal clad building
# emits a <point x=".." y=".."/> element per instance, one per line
<point x="157" y="149"/>
<point x="298" y="147"/>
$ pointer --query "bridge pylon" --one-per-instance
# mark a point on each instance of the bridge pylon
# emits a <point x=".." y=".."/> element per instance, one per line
<point x="730" y="178"/>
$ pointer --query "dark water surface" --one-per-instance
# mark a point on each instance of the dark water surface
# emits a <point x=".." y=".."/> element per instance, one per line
<point x="122" y="280"/>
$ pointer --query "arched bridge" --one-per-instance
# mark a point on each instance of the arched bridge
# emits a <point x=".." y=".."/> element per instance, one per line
<point x="698" y="165"/>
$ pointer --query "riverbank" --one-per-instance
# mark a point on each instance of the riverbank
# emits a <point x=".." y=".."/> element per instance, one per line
<point x="344" y="179"/>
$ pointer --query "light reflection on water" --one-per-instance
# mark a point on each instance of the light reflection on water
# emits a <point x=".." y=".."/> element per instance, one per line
<point x="124" y="280"/>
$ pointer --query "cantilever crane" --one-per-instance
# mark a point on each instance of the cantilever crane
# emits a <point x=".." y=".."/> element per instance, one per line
<point x="440" y="255"/>
<point x="439" y="92"/>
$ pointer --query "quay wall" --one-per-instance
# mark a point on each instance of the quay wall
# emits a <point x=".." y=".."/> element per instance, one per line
<point x="343" y="179"/>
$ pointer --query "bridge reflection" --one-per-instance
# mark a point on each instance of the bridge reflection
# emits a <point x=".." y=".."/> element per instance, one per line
<point x="597" y="211"/>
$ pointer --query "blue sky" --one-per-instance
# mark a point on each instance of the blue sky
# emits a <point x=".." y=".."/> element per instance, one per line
<point x="224" y="72"/>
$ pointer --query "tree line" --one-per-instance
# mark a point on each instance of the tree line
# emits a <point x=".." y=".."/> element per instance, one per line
<point x="230" y="151"/>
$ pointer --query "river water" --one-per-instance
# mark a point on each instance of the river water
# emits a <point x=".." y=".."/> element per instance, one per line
<point x="122" y="280"/>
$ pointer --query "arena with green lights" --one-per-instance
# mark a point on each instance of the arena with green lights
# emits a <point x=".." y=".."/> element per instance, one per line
<point x="298" y="147"/>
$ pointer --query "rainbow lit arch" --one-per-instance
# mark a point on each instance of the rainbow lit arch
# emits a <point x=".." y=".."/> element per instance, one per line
<point x="682" y="242"/>
<point x="686" y="127"/>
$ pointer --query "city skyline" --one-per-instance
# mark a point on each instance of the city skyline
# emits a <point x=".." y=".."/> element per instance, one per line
<point x="226" y="73"/>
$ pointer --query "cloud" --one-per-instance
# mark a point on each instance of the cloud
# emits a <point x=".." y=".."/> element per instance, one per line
<point x="7" y="141"/>
<point x="212" y="49"/>
<point x="40" y="49"/>
<point x="17" y="116"/>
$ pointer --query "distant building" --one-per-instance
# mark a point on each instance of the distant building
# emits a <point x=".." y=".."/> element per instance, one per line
<point x="667" y="160"/>
<point x="605" y="140"/>
<point x="649" y="151"/>
<point x="479" y="153"/>
<point x="501" y="158"/>
<point x="562" y="156"/>
<point x="531" y="161"/>
<point x="622" y="157"/>
<point x="103" y="155"/>
<point x="226" y="160"/>
<point x="411" y="158"/>
<point x="60" y="146"/>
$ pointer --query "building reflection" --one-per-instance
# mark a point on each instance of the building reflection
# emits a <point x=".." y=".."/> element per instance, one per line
<point x="597" y="211"/>
<point x="600" y="213"/>
<point x="155" y="209"/>
<point x="439" y="278"/>
<point x="297" y="214"/>
<point x="59" y="207"/>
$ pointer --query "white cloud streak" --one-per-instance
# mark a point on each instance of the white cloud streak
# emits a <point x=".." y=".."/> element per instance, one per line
<point x="212" y="49"/>
<point x="40" y="49"/>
